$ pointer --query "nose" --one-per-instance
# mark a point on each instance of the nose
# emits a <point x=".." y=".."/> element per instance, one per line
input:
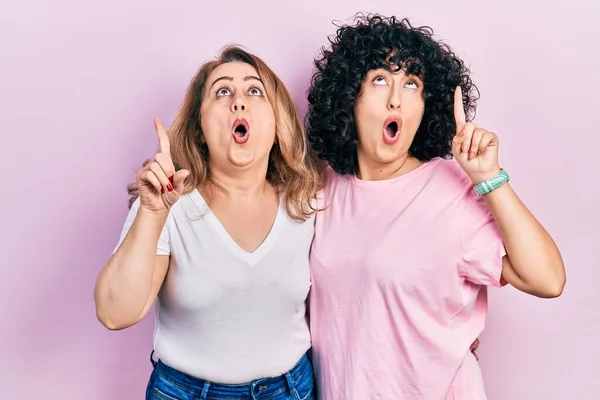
<point x="238" y="103"/>
<point x="395" y="100"/>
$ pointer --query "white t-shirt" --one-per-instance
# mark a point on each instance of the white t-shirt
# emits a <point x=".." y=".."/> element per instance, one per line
<point x="223" y="314"/>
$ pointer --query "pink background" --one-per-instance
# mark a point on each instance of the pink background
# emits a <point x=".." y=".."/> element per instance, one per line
<point x="80" y="84"/>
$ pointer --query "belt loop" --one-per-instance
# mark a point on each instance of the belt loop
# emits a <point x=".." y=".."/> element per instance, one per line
<point x="152" y="359"/>
<point x="290" y="383"/>
<point x="205" y="390"/>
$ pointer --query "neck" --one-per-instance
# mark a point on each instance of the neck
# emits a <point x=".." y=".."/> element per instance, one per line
<point x="372" y="170"/>
<point x="241" y="184"/>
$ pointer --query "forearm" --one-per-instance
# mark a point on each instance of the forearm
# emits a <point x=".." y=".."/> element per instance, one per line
<point x="124" y="284"/>
<point x="533" y="255"/>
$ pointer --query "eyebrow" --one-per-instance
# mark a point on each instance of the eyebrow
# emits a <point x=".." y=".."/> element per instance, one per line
<point x="400" y="71"/>
<point x="229" y="78"/>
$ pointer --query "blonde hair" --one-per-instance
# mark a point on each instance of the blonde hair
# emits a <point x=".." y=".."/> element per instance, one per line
<point x="293" y="167"/>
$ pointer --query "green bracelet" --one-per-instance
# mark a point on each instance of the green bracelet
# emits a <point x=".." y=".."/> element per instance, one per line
<point x="493" y="183"/>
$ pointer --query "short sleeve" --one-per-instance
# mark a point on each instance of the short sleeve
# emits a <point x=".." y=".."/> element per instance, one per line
<point x="482" y="245"/>
<point x="163" y="248"/>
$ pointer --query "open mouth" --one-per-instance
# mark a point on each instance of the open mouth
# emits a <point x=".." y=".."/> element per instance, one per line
<point x="241" y="131"/>
<point x="391" y="130"/>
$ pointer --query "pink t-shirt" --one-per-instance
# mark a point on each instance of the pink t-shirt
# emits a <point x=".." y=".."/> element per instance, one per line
<point x="399" y="270"/>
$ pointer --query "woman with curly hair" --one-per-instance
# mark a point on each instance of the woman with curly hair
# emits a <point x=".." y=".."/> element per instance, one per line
<point x="219" y="229"/>
<point x="418" y="219"/>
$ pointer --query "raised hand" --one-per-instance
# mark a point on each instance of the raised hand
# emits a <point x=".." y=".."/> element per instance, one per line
<point x="475" y="149"/>
<point x="160" y="186"/>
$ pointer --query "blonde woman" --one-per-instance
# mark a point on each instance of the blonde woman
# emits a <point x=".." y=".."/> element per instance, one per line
<point x="219" y="229"/>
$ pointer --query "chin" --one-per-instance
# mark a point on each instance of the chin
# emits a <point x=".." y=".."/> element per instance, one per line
<point x="241" y="162"/>
<point x="246" y="156"/>
<point x="388" y="154"/>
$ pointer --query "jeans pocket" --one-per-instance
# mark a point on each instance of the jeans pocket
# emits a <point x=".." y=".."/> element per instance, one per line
<point x="158" y="395"/>
<point x="310" y="395"/>
<point x="306" y="395"/>
<point x="304" y="387"/>
<point x="163" y="389"/>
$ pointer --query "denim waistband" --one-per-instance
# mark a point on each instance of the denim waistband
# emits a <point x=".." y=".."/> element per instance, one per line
<point x="264" y="386"/>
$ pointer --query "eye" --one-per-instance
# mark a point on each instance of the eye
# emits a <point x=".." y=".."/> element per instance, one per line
<point x="255" y="92"/>
<point x="412" y="85"/>
<point x="379" y="80"/>
<point x="223" y="92"/>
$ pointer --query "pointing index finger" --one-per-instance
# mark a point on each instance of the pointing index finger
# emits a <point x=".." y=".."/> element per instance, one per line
<point x="459" y="111"/>
<point x="164" y="144"/>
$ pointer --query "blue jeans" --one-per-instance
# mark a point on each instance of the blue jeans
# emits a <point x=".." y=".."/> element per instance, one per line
<point x="167" y="383"/>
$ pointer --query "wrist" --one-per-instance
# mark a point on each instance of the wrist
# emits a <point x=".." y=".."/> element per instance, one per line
<point x="153" y="215"/>
<point x="477" y="178"/>
<point x="148" y="225"/>
<point x="492" y="183"/>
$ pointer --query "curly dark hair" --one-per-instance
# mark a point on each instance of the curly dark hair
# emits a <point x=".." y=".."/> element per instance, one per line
<point x="375" y="42"/>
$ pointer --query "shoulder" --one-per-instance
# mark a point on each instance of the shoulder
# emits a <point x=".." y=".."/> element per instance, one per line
<point x="333" y="181"/>
<point x="331" y="177"/>
<point x="450" y="177"/>
<point x="455" y="184"/>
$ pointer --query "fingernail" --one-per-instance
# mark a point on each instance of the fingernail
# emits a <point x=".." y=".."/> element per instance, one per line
<point x="170" y="187"/>
<point x="162" y="190"/>
<point x="171" y="179"/>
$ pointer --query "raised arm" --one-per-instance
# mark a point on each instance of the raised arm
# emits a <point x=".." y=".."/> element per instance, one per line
<point x="129" y="282"/>
<point x="533" y="263"/>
